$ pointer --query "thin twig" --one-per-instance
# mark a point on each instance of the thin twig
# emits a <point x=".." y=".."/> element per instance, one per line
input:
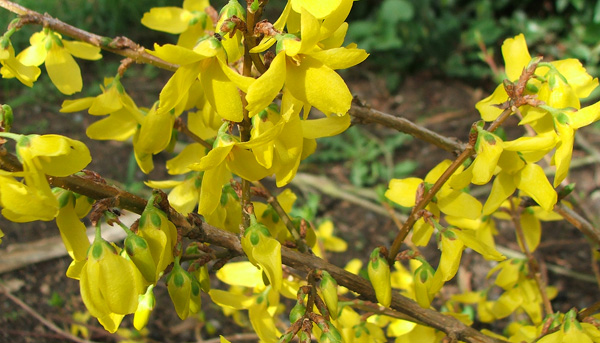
<point x="579" y="222"/>
<point x="369" y="115"/>
<point x="4" y="290"/>
<point x="272" y="200"/>
<point x="534" y="268"/>
<point x="180" y="126"/>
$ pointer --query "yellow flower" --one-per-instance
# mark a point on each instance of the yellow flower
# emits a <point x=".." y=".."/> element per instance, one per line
<point x="189" y="21"/>
<point x="264" y="251"/>
<point x="48" y="47"/>
<point x="379" y="275"/>
<point x="72" y="231"/>
<point x="564" y="90"/>
<point x="109" y="284"/>
<point x="161" y="237"/>
<point x="12" y="67"/>
<point x="52" y="155"/>
<point x="306" y="71"/>
<point x="207" y="62"/>
<point x="450" y="201"/>
<point x="184" y="291"/>
<point x="326" y="241"/>
<point x="229" y="154"/>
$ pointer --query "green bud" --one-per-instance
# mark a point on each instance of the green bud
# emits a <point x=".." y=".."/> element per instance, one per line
<point x="6" y="115"/>
<point x="329" y="291"/>
<point x="379" y="274"/>
<point x="297" y="312"/>
<point x="330" y="333"/>
<point x="146" y="303"/>
<point x="138" y="250"/>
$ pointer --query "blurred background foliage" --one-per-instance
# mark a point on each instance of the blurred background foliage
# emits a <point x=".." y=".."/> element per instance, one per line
<point x="447" y="37"/>
<point x="444" y="37"/>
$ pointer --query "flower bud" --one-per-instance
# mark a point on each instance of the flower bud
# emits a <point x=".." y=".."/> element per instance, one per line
<point x="264" y="251"/>
<point x="329" y="291"/>
<point x="138" y="250"/>
<point x="379" y="274"/>
<point x="330" y="333"/>
<point x="297" y="312"/>
<point x="422" y="280"/>
<point x="179" y="285"/>
<point x="146" y="304"/>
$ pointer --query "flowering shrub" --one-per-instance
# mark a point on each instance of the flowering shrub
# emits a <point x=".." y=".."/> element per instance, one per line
<point x="247" y="88"/>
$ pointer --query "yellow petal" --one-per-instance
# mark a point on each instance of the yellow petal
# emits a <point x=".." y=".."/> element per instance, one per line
<point x="243" y="163"/>
<point x="403" y="191"/>
<point x="532" y="229"/>
<point x="319" y="9"/>
<point x="341" y="58"/>
<point x="516" y="56"/>
<point x="262" y="92"/>
<point x="189" y="155"/>
<point x="82" y="50"/>
<point x="178" y="86"/>
<point x="222" y="94"/>
<point x="176" y="54"/>
<point x="486" y="107"/>
<point x="63" y="70"/>
<point x="533" y="182"/>
<point x="167" y="19"/>
<point x="118" y="126"/>
<point x="502" y="187"/>
<point x="212" y="184"/>
<point x="457" y="203"/>
<point x="318" y="85"/>
<point x="72" y="232"/>
<point x="61" y="156"/>
<point x="325" y="127"/>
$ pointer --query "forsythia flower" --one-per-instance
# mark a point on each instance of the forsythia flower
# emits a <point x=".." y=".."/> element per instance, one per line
<point x="184" y="291"/>
<point x="450" y="201"/>
<point x="264" y="251"/>
<point x="306" y="71"/>
<point x="48" y="47"/>
<point x="123" y="114"/>
<point x="189" y="21"/>
<point x="208" y="63"/>
<point x="52" y="155"/>
<point x="12" y="67"/>
<point x="110" y="284"/>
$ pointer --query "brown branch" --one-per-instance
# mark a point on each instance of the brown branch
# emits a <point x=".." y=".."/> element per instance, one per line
<point x="369" y="115"/>
<point x="195" y="229"/>
<point x="415" y="214"/>
<point x="579" y="222"/>
<point x="180" y="126"/>
<point x="272" y="200"/>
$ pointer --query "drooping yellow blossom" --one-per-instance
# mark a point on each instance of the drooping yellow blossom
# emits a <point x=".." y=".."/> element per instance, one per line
<point x="106" y="297"/>
<point x="229" y="154"/>
<point x="379" y="275"/>
<point x="146" y="304"/>
<point x="49" y="48"/>
<point x="189" y="21"/>
<point x="73" y="232"/>
<point x="52" y="155"/>
<point x="264" y="251"/>
<point x="161" y="237"/>
<point x="12" y="67"/>
<point x="184" y="291"/>
<point x="123" y="114"/>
